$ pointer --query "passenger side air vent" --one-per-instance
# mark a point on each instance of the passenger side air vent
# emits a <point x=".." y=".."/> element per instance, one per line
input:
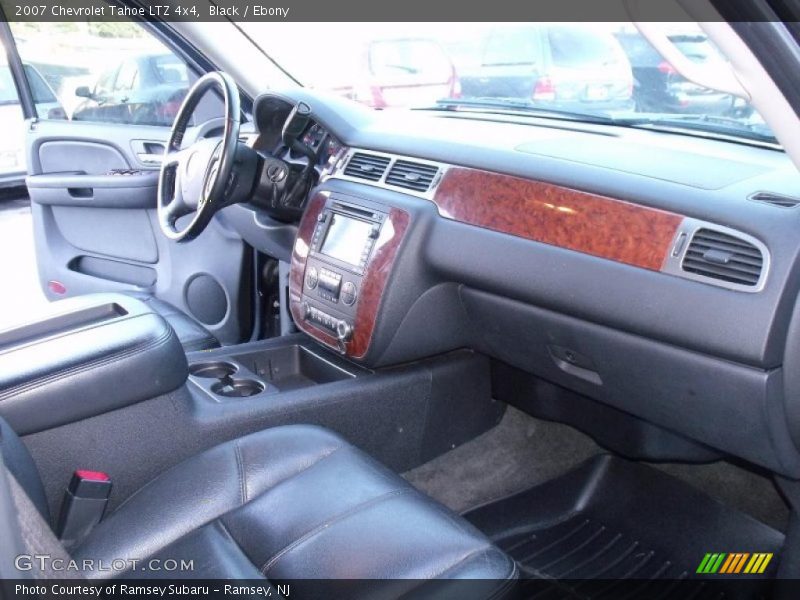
<point x="774" y="199"/>
<point x="367" y="166"/>
<point x="412" y="175"/>
<point x="721" y="256"/>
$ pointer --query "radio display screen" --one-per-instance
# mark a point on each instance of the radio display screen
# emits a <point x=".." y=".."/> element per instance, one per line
<point x="346" y="239"/>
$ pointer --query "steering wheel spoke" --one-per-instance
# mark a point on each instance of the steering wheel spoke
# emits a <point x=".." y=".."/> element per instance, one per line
<point x="177" y="208"/>
<point x="175" y="158"/>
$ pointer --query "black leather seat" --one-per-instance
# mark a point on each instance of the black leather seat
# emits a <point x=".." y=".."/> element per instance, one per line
<point x="298" y="504"/>
<point x="192" y="335"/>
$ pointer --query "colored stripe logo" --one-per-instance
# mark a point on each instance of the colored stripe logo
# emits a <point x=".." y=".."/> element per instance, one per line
<point x="733" y="563"/>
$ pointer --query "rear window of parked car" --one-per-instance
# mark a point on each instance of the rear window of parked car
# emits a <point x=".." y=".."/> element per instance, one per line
<point x="579" y="47"/>
<point x="410" y="57"/>
<point x="169" y="69"/>
<point x="695" y="48"/>
<point x="516" y="46"/>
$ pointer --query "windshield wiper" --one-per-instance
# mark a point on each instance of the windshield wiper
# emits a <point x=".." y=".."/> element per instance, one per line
<point x="714" y="124"/>
<point x="516" y="105"/>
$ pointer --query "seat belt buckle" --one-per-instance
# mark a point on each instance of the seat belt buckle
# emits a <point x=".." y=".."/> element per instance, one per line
<point x="84" y="505"/>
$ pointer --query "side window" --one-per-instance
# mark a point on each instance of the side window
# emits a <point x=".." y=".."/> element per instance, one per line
<point x="114" y="72"/>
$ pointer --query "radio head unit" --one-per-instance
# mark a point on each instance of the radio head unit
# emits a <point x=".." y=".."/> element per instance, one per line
<point x="345" y="235"/>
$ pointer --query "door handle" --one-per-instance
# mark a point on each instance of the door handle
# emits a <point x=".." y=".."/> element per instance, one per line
<point x="149" y="152"/>
<point x="150" y="158"/>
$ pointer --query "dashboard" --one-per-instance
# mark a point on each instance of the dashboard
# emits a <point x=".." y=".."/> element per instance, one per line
<point x="655" y="273"/>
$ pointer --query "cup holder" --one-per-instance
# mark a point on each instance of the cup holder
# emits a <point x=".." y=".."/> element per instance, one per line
<point x="212" y="370"/>
<point x="226" y="383"/>
<point x="237" y="388"/>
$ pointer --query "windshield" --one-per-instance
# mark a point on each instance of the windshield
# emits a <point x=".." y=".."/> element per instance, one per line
<point x="605" y="71"/>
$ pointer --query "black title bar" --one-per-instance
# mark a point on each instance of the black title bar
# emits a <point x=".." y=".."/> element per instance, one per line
<point x="371" y="10"/>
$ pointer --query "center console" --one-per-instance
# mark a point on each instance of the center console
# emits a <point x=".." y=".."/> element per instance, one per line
<point x="271" y="367"/>
<point x="88" y="355"/>
<point x="342" y="258"/>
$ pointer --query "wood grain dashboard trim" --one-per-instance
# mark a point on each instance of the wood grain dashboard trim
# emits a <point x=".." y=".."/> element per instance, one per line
<point x="372" y="286"/>
<point x="598" y="225"/>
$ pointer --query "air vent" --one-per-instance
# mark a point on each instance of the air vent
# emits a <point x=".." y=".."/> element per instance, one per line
<point x="367" y="166"/>
<point x="411" y="175"/>
<point x="775" y="199"/>
<point x="721" y="256"/>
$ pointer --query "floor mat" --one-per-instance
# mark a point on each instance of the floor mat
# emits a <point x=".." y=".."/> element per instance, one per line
<point x="614" y="529"/>
<point x="750" y="492"/>
<point x="518" y="453"/>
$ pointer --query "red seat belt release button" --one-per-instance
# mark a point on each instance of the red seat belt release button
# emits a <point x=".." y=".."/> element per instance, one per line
<point x="84" y="504"/>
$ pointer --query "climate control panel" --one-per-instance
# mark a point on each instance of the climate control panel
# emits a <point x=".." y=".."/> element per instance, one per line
<point x="329" y="286"/>
<point x="339" y="327"/>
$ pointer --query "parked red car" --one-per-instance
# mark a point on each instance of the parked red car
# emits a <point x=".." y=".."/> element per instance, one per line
<point x="403" y="72"/>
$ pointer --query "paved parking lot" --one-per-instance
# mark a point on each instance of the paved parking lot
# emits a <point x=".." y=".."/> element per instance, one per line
<point x="21" y="296"/>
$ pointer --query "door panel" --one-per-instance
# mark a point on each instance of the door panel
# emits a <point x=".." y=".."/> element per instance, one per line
<point x="92" y="180"/>
<point x="94" y="242"/>
<point x="120" y="233"/>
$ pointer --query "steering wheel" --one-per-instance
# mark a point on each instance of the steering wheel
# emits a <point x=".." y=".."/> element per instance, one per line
<point x="198" y="179"/>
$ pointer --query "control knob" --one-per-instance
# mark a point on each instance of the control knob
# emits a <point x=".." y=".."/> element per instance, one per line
<point x="344" y="331"/>
<point x="349" y="293"/>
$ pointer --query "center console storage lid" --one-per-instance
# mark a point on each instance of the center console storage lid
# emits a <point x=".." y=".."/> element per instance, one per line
<point x="88" y="355"/>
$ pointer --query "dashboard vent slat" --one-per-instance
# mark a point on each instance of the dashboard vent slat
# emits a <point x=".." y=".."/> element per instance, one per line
<point x="779" y="200"/>
<point x="366" y="166"/>
<point x="412" y="175"/>
<point x="725" y="257"/>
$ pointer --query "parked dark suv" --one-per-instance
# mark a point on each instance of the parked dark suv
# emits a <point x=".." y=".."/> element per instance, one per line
<point x="568" y="66"/>
<point x="659" y="88"/>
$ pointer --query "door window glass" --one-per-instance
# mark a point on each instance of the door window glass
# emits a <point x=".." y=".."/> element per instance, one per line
<point x="106" y="72"/>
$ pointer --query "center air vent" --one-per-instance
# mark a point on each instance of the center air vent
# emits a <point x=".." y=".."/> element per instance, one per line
<point x="725" y="257"/>
<point x="412" y="175"/>
<point x="367" y="166"/>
